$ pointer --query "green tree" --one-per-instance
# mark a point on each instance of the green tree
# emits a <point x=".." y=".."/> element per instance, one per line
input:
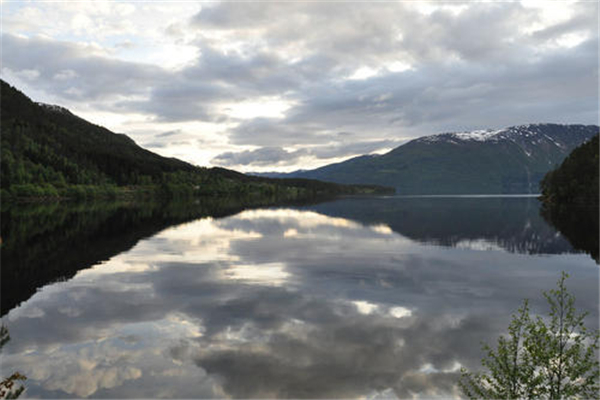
<point x="542" y="358"/>
<point x="8" y="386"/>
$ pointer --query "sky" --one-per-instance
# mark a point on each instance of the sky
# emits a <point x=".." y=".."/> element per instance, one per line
<point x="280" y="86"/>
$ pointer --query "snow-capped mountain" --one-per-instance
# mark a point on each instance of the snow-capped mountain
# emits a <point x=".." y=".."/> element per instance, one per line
<point x="509" y="160"/>
<point x="528" y="137"/>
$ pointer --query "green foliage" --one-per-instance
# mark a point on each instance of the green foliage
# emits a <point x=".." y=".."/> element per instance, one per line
<point x="8" y="386"/>
<point x="28" y="190"/>
<point x="552" y="358"/>
<point x="49" y="145"/>
<point x="576" y="180"/>
<point x="508" y="371"/>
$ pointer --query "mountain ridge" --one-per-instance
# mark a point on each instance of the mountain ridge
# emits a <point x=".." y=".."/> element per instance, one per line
<point x="502" y="161"/>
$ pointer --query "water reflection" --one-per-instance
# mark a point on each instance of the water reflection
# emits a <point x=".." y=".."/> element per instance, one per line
<point x="480" y="223"/>
<point x="578" y="224"/>
<point x="44" y="243"/>
<point x="278" y="303"/>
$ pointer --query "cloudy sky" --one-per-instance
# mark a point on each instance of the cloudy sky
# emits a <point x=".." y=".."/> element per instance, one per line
<point x="266" y="85"/>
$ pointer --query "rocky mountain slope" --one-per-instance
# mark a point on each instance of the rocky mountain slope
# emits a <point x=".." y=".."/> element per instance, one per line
<point x="510" y="160"/>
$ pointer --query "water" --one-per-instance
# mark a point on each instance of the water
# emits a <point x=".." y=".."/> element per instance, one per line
<point x="359" y="297"/>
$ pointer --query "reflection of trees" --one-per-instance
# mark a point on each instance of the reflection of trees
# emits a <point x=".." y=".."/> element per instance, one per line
<point x="9" y="389"/>
<point x="44" y="243"/>
<point x="578" y="224"/>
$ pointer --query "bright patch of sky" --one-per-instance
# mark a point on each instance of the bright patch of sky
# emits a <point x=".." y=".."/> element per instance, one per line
<point x="261" y="107"/>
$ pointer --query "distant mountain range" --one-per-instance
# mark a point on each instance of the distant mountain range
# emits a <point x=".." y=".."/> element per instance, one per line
<point x="510" y="160"/>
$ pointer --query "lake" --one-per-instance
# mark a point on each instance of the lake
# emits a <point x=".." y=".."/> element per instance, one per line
<point x="358" y="297"/>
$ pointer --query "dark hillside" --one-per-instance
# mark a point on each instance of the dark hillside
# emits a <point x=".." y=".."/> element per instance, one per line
<point x="43" y="143"/>
<point x="576" y="180"/>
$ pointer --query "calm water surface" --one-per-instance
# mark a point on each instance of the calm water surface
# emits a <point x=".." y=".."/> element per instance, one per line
<point x="379" y="297"/>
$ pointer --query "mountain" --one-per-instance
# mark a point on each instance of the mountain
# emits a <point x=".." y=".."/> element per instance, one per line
<point x="510" y="160"/>
<point x="575" y="181"/>
<point x="40" y="139"/>
<point x="49" y="152"/>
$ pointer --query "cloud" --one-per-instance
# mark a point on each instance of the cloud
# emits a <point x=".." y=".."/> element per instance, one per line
<point x="77" y="72"/>
<point x="423" y="68"/>
<point x="259" y="157"/>
<point x="168" y="133"/>
<point x="276" y="156"/>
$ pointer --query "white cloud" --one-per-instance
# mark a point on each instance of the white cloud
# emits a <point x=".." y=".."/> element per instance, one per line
<point x="65" y="74"/>
<point x="28" y="74"/>
<point x="363" y="73"/>
<point x="572" y="39"/>
<point x="260" y="107"/>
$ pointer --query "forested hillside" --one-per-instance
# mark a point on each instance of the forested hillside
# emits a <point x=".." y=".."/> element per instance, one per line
<point x="49" y="152"/>
<point x="43" y="143"/>
<point x="575" y="181"/>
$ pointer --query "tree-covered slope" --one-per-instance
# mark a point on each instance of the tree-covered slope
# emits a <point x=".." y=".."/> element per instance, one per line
<point x="511" y="160"/>
<point x="43" y="143"/>
<point x="575" y="181"/>
<point x="49" y="152"/>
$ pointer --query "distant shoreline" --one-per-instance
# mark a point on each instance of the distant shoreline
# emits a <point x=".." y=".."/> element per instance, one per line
<point x="466" y="195"/>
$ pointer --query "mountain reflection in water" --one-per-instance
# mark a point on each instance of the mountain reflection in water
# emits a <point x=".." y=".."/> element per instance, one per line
<point x="508" y="222"/>
<point x="346" y="299"/>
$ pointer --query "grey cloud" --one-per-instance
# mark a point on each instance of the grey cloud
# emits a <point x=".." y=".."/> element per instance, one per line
<point x="168" y="133"/>
<point x="275" y="131"/>
<point x="584" y="20"/>
<point x="169" y="138"/>
<point x="260" y="157"/>
<point x="464" y="67"/>
<point x="275" y="156"/>
<point x="481" y="34"/>
<point x="156" y="145"/>
<point x="165" y="144"/>
<point x="375" y="31"/>
<point x="258" y="73"/>
<point x="89" y="77"/>
<point x="314" y="27"/>
<point x="353" y="148"/>
<point x="180" y="100"/>
<point x="194" y="93"/>
<point x="557" y="88"/>
<point x="228" y="16"/>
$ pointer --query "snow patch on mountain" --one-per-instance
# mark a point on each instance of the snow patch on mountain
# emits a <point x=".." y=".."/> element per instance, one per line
<point x="480" y="136"/>
<point x="532" y="132"/>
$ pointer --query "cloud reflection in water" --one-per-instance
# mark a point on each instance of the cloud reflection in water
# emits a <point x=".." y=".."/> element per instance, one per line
<point x="278" y="303"/>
